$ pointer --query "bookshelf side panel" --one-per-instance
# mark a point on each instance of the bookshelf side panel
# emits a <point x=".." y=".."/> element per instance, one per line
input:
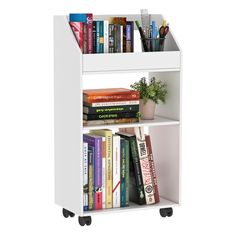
<point x="67" y="118"/>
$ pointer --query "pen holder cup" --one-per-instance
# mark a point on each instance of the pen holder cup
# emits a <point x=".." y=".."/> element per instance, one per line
<point x="153" y="44"/>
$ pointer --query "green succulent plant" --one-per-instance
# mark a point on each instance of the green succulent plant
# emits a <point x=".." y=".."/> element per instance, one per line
<point x="154" y="90"/>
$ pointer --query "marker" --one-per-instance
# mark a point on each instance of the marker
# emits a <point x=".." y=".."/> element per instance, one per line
<point x="154" y="32"/>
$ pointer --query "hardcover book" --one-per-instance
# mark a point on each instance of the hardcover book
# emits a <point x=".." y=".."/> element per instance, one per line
<point x="145" y="166"/>
<point x="111" y="38"/>
<point x="94" y="37"/>
<point x="110" y="116"/>
<point x="121" y="21"/>
<point x="116" y="170"/>
<point x="91" y="177"/>
<point x="152" y="167"/>
<point x="77" y="28"/>
<point x="129" y="36"/>
<point x="108" y="135"/>
<point x="118" y="38"/>
<point x="136" y="188"/>
<point x="110" y="121"/>
<point x="114" y="103"/>
<point x="106" y="36"/>
<point x="103" y="172"/>
<point x="95" y="141"/>
<point x="85" y="179"/>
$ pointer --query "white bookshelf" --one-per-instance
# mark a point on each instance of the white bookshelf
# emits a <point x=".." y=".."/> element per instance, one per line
<point x="71" y="69"/>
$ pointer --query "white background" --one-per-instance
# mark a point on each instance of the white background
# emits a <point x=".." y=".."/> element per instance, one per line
<point x="206" y="33"/>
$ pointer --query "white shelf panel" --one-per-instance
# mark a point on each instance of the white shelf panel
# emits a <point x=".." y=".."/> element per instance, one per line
<point x="131" y="62"/>
<point x="164" y="203"/>
<point x="158" y="121"/>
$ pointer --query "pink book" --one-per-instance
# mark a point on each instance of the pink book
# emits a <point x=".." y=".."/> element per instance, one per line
<point x="77" y="28"/>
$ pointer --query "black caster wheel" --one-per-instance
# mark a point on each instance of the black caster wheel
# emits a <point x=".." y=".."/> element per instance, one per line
<point x="85" y="220"/>
<point x="67" y="213"/>
<point x="166" y="212"/>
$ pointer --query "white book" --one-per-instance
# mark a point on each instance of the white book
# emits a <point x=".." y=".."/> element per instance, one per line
<point x="116" y="103"/>
<point x="116" y="171"/>
<point x="103" y="172"/>
<point x="106" y="36"/>
<point x="85" y="179"/>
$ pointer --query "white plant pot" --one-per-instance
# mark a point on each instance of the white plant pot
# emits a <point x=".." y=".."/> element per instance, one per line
<point x="147" y="110"/>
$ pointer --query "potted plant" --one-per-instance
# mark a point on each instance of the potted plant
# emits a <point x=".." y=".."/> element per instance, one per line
<point x="151" y="93"/>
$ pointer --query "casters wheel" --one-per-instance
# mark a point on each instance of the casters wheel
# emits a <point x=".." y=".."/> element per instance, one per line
<point x="67" y="213"/>
<point x="85" y="220"/>
<point x="166" y="212"/>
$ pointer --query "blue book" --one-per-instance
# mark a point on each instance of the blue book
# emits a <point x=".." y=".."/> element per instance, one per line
<point x="78" y="17"/>
<point x="97" y="37"/>
<point x="101" y="36"/>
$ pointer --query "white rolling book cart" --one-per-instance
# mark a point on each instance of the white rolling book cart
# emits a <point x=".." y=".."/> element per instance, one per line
<point x="70" y="70"/>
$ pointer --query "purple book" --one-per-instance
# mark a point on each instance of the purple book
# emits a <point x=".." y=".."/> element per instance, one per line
<point x="96" y="142"/>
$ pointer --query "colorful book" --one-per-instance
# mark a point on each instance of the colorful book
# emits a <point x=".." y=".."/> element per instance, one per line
<point x="109" y="110"/>
<point x="110" y="121"/>
<point x="145" y="166"/>
<point x="85" y="179"/>
<point x="121" y="21"/>
<point x="152" y="167"/>
<point x="111" y="38"/>
<point x="116" y="170"/>
<point x="103" y="172"/>
<point x="95" y="141"/>
<point x="85" y="39"/>
<point x="110" y="116"/>
<point x="77" y="28"/>
<point x="91" y="177"/>
<point x="106" y="36"/>
<point x="109" y="94"/>
<point x="101" y="37"/>
<point x="118" y="38"/>
<point x="136" y="189"/>
<point x="87" y="19"/>
<point x="97" y="36"/>
<point x="114" y="103"/>
<point x="108" y="135"/>
<point x="129" y="36"/>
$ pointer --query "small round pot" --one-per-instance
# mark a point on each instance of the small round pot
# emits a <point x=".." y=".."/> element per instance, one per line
<point x="147" y="110"/>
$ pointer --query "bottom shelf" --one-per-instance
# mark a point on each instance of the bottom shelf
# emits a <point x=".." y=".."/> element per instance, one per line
<point x="164" y="203"/>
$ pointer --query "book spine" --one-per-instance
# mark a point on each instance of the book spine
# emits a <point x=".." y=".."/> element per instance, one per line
<point x="77" y="28"/>
<point x="116" y="32"/>
<point x="127" y="157"/>
<point x="85" y="179"/>
<point x="129" y="36"/>
<point x="144" y="163"/>
<point x="97" y="37"/>
<point x="89" y="33"/>
<point x="110" y="110"/>
<point x="121" y="39"/>
<point x="152" y="167"/>
<point x="94" y="37"/>
<point x="116" y="171"/>
<point x="85" y="40"/>
<point x="110" y="116"/>
<point x="91" y="178"/>
<point x="103" y="172"/>
<point x="111" y="38"/>
<point x="123" y="174"/>
<point x="101" y="37"/>
<point x="110" y="121"/>
<point x="115" y="103"/>
<point x="106" y="36"/>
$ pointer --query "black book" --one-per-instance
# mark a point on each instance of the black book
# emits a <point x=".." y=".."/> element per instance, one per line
<point x="110" y="116"/>
<point x="94" y="37"/>
<point x="136" y="189"/>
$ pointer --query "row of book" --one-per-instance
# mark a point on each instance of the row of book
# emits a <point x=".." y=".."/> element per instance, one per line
<point x="118" y="168"/>
<point x="110" y="106"/>
<point x="102" y="36"/>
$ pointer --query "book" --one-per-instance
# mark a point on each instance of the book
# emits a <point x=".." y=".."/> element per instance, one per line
<point x="129" y="36"/>
<point x="111" y="38"/>
<point x="85" y="42"/>
<point x="108" y="135"/>
<point x="97" y="37"/>
<point x="116" y="170"/>
<point x="118" y="38"/>
<point x="152" y="167"/>
<point x="110" y="116"/>
<point x="85" y="179"/>
<point x="121" y="21"/>
<point x="77" y="28"/>
<point x="124" y="178"/>
<point x="94" y="43"/>
<point x="136" y="188"/>
<point x="103" y="172"/>
<point x="106" y="36"/>
<point x="114" y="103"/>
<point x="87" y="20"/>
<point x="145" y="166"/>
<point x="91" y="177"/>
<point x="109" y="110"/>
<point x="109" y="94"/>
<point x="101" y="37"/>
<point x="95" y="141"/>
<point x="110" y="121"/>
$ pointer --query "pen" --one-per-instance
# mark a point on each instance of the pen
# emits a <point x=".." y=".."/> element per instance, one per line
<point x="154" y="32"/>
<point x="142" y="35"/>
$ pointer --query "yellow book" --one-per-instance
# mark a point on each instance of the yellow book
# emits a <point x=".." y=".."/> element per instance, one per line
<point x="108" y="135"/>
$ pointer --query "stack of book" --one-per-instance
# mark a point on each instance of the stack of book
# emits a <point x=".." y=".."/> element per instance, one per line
<point x="118" y="168"/>
<point x="110" y="106"/>
<point x="103" y="36"/>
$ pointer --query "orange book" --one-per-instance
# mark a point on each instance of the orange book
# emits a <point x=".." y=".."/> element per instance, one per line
<point x="109" y="94"/>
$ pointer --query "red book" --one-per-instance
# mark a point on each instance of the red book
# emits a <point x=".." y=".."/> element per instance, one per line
<point x="152" y="167"/>
<point x="89" y="33"/>
<point x="77" y="28"/>
<point x="110" y="94"/>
